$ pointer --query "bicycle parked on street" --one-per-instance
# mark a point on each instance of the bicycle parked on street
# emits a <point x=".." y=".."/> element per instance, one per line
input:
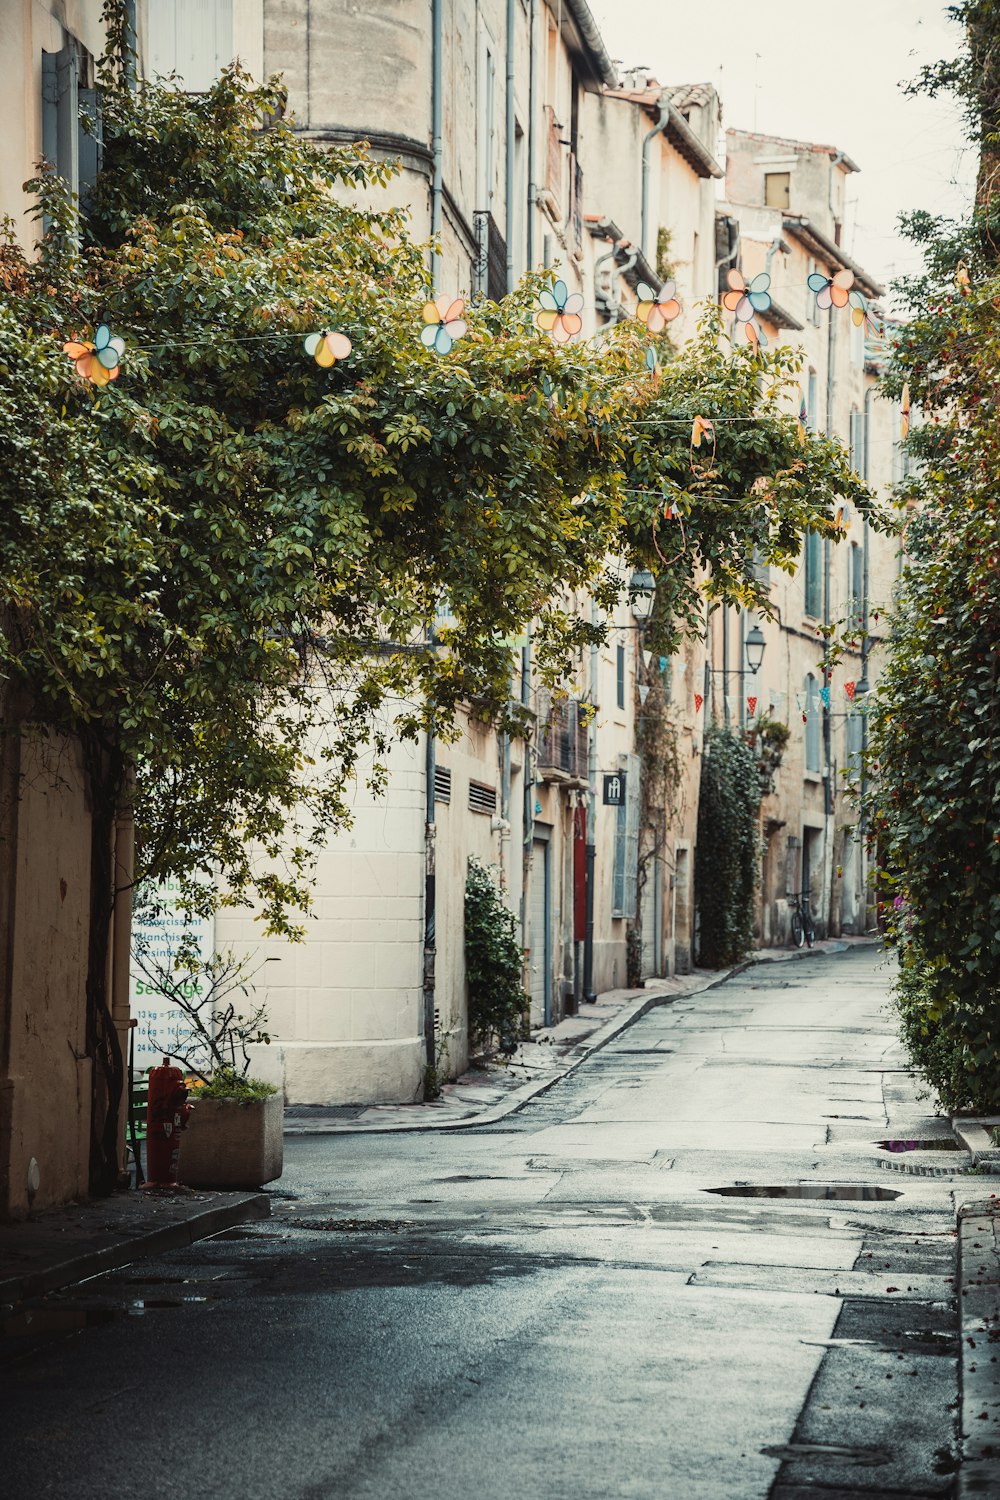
<point x="803" y="927"/>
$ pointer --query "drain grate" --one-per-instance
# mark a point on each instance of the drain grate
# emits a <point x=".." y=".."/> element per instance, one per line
<point x="911" y="1168"/>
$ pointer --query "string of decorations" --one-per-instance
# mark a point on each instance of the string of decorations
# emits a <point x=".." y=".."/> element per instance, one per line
<point x="559" y="314"/>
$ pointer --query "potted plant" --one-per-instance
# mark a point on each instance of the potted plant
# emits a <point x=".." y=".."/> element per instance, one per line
<point x="233" y="1138"/>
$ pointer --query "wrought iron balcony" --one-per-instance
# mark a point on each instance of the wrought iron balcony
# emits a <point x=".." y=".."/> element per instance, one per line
<point x="561" y="740"/>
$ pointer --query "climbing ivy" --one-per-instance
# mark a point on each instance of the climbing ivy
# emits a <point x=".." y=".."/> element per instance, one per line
<point x="498" y="1002"/>
<point x="726" y="862"/>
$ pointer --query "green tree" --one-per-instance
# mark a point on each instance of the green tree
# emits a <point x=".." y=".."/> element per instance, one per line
<point x="934" y="748"/>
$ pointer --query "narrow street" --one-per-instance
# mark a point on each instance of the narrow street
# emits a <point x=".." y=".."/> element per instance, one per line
<point x="559" y="1304"/>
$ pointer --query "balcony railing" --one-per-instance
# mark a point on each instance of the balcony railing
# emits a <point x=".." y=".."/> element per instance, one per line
<point x="561" y="739"/>
<point x="490" y="271"/>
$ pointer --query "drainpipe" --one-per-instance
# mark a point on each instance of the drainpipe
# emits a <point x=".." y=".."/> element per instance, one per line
<point x="863" y="808"/>
<point x="834" y="164"/>
<point x="121" y="937"/>
<point x="826" y="895"/>
<point x="610" y="307"/>
<point x="589" y="994"/>
<point x="776" y="244"/>
<point x="532" y="96"/>
<point x="647" y="144"/>
<point x="509" y="209"/>
<point x="431" y="1087"/>
<point x="131" y="46"/>
<point x="528" y="809"/>
<point x="742" y="668"/>
<point x="437" y="134"/>
<point x="725" y="665"/>
<point x="504" y="829"/>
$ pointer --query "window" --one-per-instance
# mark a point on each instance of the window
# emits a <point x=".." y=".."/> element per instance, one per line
<point x="812" y="708"/>
<point x="813" y="573"/>
<point x="192" y="38"/>
<point x="626" y="868"/>
<point x="777" y="189"/>
<point x="620" y="675"/>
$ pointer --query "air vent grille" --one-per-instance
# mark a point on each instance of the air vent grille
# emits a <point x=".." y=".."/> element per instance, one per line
<point x="442" y="784"/>
<point x="482" y="798"/>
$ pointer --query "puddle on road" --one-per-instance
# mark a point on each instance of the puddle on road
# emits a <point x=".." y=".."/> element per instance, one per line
<point x="56" y="1322"/>
<point x="825" y="1191"/>
<point x="35" y="1321"/>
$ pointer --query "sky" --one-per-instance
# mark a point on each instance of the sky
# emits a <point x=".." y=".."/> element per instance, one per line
<point x="823" y="73"/>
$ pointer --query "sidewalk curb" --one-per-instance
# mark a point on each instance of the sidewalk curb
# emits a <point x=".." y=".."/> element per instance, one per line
<point x="979" y="1333"/>
<point x="625" y="1018"/>
<point x="138" y="1247"/>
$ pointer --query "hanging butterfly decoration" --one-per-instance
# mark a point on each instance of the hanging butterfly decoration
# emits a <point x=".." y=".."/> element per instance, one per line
<point x="863" y="317"/>
<point x="746" y="298"/>
<point x="904" y="412"/>
<point x="443" y="323"/>
<point x="100" y="361"/>
<point x="831" y="291"/>
<point x="702" y="431"/>
<point x="327" y="347"/>
<point x="560" y="312"/>
<point x="657" y="309"/>
<point x="653" y="363"/>
<point x="755" y="335"/>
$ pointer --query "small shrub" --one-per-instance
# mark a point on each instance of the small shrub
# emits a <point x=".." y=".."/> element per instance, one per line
<point x="498" y="1001"/>
<point x="226" y="1083"/>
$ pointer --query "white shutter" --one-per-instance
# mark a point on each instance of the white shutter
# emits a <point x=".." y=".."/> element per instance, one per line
<point x="193" y="38"/>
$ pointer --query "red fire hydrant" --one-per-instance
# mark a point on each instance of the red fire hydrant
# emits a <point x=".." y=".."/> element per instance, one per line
<point x="167" y="1113"/>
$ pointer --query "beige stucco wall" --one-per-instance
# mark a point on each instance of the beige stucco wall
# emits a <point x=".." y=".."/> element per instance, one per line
<point x="45" y="1076"/>
<point x="345" y="1004"/>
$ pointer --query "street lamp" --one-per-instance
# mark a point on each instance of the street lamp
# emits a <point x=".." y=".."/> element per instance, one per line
<point x="754" y="648"/>
<point x="640" y="595"/>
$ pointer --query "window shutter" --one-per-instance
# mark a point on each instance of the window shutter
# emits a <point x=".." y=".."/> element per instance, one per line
<point x="193" y="38"/>
<point x="626" y="866"/>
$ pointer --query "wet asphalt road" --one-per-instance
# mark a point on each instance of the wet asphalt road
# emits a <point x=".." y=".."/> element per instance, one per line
<point x="554" y="1306"/>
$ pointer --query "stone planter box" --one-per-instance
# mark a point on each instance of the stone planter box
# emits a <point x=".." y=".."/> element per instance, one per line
<point x="231" y="1145"/>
